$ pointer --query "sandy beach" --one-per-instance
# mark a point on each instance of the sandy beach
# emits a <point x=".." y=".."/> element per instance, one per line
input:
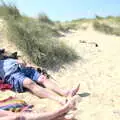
<point x="97" y="71"/>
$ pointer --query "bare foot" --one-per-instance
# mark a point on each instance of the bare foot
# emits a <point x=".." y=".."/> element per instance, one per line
<point x="72" y="103"/>
<point x="73" y="92"/>
<point x="64" y="112"/>
<point x="68" y="106"/>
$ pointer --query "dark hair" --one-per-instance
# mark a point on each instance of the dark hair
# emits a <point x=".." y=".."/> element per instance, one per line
<point x="5" y="55"/>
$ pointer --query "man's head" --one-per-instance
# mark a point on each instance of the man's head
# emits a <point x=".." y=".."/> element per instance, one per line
<point x="5" y="54"/>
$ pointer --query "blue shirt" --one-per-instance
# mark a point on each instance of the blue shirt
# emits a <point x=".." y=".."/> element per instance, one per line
<point x="7" y="67"/>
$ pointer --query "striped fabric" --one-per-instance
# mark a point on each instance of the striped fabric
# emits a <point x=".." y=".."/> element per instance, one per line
<point x="15" y="105"/>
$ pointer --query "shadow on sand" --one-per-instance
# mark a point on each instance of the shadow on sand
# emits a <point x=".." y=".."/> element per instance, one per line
<point x="85" y="94"/>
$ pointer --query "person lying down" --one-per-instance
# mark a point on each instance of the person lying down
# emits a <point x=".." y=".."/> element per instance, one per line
<point x="24" y="77"/>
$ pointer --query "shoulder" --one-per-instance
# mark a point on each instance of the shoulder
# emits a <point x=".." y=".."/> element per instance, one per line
<point x="9" y="60"/>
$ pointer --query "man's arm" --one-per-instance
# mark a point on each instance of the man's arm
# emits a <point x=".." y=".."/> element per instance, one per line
<point x="43" y="71"/>
<point x="26" y="64"/>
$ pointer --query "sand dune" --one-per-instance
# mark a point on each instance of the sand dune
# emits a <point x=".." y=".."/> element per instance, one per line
<point x="98" y="72"/>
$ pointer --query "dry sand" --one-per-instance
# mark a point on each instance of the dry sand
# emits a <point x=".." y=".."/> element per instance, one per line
<point x="98" y="72"/>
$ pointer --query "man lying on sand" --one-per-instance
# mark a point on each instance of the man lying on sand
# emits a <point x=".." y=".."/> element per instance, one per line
<point x="21" y="77"/>
<point x="57" y="115"/>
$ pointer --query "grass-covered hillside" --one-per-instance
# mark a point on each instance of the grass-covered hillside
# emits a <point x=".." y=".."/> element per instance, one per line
<point x="37" y="37"/>
<point x="108" y="25"/>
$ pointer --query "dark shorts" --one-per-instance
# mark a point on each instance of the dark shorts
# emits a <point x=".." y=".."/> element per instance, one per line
<point x="17" y="78"/>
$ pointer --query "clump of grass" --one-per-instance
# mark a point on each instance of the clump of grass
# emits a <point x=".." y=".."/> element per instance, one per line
<point x="35" y="37"/>
<point x="69" y="26"/>
<point x="9" y="11"/>
<point x="42" y="17"/>
<point x="37" y="41"/>
<point x="108" y="28"/>
<point x="99" y="17"/>
<point x="65" y="26"/>
<point x="103" y="27"/>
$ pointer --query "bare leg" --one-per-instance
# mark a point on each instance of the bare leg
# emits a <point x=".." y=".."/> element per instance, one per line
<point x="4" y="113"/>
<point x="51" y="85"/>
<point x="61" y="118"/>
<point x="10" y="118"/>
<point x="40" y="91"/>
<point x="7" y="115"/>
<point x="36" y="116"/>
<point x="54" y="87"/>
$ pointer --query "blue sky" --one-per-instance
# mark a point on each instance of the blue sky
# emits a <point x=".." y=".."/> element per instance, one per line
<point x="68" y="9"/>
